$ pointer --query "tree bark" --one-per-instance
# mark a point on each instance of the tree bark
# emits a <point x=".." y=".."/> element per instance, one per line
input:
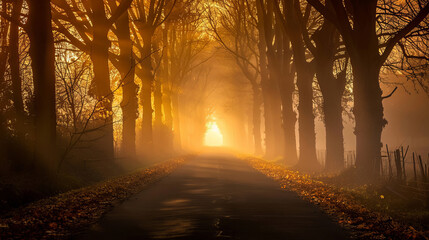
<point x="14" y="69"/>
<point x="42" y="53"/>
<point x="368" y="106"/>
<point x="176" y="122"/>
<point x="166" y="104"/>
<point x="274" y="138"/>
<point x="332" y="89"/>
<point x="304" y="79"/>
<point x="333" y="110"/>
<point x="157" y="90"/>
<point x="368" y="112"/>
<point x="269" y="135"/>
<point x="157" y="97"/>
<point x="307" y="136"/>
<point x="265" y="85"/>
<point x="166" y="84"/>
<point x="284" y="75"/>
<point x="289" y="119"/>
<point x="146" y="91"/>
<point x="101" y="82"/>
<point x="129" y="102"/>
<point x="256" y="118"/>
<point x="4" y="30"/>
<point x="165" y="93"/>
<point x="18" y="103"/>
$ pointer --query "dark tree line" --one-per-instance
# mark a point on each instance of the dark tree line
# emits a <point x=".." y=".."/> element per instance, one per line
<point x="110" y="76"/>
<point x="329" y="46"/>
<point x="134" y="52"/>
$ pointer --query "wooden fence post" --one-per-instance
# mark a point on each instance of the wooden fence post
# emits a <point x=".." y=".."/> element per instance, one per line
<point x="422" y="169"/>
<point x="398" y="164"/>
<point x="403" y="160"/>
<point x="414" y="165"/>
<point x="390" y="164"/>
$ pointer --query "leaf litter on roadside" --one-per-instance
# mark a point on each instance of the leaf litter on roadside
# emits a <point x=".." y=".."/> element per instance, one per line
<point x="56" y="217"/>
<point x="338" y="203"/>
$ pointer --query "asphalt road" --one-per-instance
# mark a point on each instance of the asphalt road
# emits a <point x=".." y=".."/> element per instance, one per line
<point x="215" y="197"/>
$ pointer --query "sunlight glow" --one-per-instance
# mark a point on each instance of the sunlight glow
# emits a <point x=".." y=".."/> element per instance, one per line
<point x="213" y="136"/>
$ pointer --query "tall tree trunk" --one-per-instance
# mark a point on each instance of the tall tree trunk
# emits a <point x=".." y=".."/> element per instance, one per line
<point x="158" y="128"/>
<point x="285" y="76"/>
<point x="304" y="80"/>
<point x="4" y="30"/>
<point x="166" y="83"/>
<point x="18" y="163"/>
<point x="146" y="91"/>
<point x="176" y="123"/>
<point x="368" y="106"/>
<point x="101" y="81"/>
<point x="266" y="96"/>
<point x="14" y="67"/>
<point x="307" y="136"/>
<point x="157" y="94"/>
<point x="332" y="89"/>
<point x="368" y="112"/>
<point x="42" y="53"/>
<point x="166" y="104"/>
<point x="129" y="102"/>
<point x="157" y="91"/>
<point x="265" y="84"/>
<point x="287" y="85"/>
<point x="165" y="93"/>
<point x="276" y="111"/>
<point x="257" y="139"/>
<point x="334" y="131"/>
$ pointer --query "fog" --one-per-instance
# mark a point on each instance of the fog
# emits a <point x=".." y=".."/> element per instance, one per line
<point x="92" y="90"/>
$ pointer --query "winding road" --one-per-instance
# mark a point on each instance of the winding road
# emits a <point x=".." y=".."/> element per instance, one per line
<point x="215" y="196"/>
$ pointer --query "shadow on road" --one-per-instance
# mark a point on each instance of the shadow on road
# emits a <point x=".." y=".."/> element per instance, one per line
<point x="215" y="196"/>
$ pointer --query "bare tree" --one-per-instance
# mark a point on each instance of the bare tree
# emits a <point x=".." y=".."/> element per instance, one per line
<point x="330" y="62"/>
<point x="126" y="66"/>
<point x="368" y="50"/>
<point x="237" y="23"/>
<point x="42" y="53"/>
<point x="277" y="84"/>
<point x="14" y="68"/>
<point x="147" y="16"/>
<point x="76" y="14"/>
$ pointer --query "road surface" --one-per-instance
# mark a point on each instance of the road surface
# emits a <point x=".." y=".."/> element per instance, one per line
<point x="215" y="197"/>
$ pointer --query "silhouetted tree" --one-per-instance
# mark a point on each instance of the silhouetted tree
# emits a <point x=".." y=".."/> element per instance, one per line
<point x="126" y="66"/>
<point x="42" y="53"/>
<point x="14" y="69"/>
<point x="237" y="23"/>
<point x="277" y="84"/>
<point x="324" y="44"/>
<point x="147" y="16"/>
<point x="98" y="26"/>
<point x="368" y="51"/>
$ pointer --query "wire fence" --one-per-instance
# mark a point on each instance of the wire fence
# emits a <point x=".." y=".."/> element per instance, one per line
<point x="406" y="172"/>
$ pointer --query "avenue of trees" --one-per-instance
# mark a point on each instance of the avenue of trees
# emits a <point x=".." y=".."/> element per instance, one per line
<point x="291" y="51"/>
<point x="106" y="79"/>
